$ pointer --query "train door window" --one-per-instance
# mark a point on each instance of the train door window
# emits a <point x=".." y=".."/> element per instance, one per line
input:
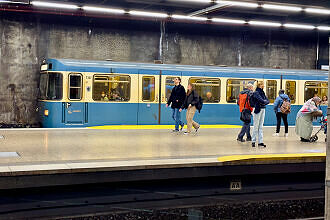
<point x="235" y="86"/>
<point x="111" y="88"/>
<point x="169" y="84"/>
<point x="51" y="86"/>
<point x="148" y="88"/>
<point x="271" y="86"/>
<point x="314" y="88"/>
<point x="75" y="84"/>
<point x="290" y="90"/>
<point x="207" y="88"/>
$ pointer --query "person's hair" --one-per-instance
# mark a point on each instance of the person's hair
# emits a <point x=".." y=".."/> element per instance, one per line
<point x="325" y="97"/>
<point x="192" y="88"/>
<point x="249" y="85"/>
<point x="178" y="78"/>
<point x="281" y="91"/>
<point x="260" y="83"/>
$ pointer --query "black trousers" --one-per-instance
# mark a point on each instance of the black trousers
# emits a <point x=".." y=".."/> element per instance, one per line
<point x="280" y="115"/>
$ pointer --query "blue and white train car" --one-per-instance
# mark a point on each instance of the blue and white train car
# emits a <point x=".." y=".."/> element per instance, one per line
<point x="81" y="93"/>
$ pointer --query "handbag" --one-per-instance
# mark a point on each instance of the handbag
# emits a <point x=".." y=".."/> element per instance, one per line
<point x="246" y="113"/>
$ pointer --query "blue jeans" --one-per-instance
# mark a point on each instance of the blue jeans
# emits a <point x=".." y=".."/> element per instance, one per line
<point x="177" y="118"/>
<point x="258" y="123"/>
<point x="245" y="130"/>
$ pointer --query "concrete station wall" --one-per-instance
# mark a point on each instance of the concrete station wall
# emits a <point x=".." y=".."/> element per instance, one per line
<point x="26" y="39"/>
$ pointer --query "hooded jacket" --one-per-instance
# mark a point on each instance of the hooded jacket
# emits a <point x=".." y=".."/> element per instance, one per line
<point x="260" y="100"/>
<point x="278" y="102"/>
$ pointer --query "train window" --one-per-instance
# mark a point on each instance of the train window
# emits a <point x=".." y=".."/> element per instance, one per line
<point x="290" y="90"/>
<point x="111" y="88"/>
<point x="75" y="84"/>
<point x="314" y="88"/>
<point x="235" y="86"/>
<point x="169" y="84"/>
<point x="51" y="86"/>
<point x="271" y="86"/>
<point x="207" y="88"/>
<point x="148" y="88"/>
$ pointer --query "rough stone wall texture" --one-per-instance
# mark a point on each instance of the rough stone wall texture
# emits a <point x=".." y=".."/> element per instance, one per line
<point x="26" y="39"/>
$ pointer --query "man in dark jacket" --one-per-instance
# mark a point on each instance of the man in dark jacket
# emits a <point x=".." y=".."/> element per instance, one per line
<point x="176" y="100"/>
<point x="260" y="101"/>
<point x="244" y="103"/>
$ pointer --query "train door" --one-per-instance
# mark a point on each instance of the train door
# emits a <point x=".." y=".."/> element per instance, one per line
<point x="167" y="84"/>
<point x="74" y="107"/>
<point x="149" y="97"/>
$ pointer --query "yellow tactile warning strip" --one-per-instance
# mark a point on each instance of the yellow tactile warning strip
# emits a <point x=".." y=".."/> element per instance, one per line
<point x="261" y="157"/>
<point x="111" y="127"/>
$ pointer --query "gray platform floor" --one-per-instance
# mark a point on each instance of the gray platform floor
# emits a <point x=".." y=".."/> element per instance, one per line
<point x="49" y="146"/>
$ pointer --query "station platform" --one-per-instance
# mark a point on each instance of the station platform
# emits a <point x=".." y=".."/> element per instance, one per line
<point x="44" y="157"/>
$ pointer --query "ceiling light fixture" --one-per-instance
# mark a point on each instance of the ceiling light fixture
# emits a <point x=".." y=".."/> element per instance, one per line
<point x="197" y="1"/>
<point x="105" y="10"/>
<point x="323" y="28"/>
<point x="184" y="17"/>
<point x="225" y="20"/>
<point x="299" y="26"/>
<point x="265" y="23"/>
<point x="241" y="4"/>
<point x="148" y="14"/>
<point x="281" y="7"/>
<point x="53" y="5"/>
<point x="318" y="11"/>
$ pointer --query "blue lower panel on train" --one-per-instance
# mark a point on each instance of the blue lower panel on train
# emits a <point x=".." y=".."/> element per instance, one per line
<point x="80" y="114"/>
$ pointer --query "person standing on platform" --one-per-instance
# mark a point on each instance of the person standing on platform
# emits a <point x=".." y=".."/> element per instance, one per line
<point x="304" y="119"/>
<point x="279" y="114"/>
<point x="244" y="103"/>
<point x="176" y="100"/>
<point x="260" y="101"/>
<point x="190" y="103"/>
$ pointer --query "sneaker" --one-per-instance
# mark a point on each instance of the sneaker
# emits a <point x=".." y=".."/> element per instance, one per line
<point x="240" y="139"/>
<point x="181" y="126"/>
<point x="276" y="134"/>
<point x="186" y="132"/>
<point x="248" y="139"/>
<point x="253" y="144"/>
<point x="261" y="145"/>
<point x="174" y="130"/>
<point x="197" y="128"/>
<point x="286" y="135"/>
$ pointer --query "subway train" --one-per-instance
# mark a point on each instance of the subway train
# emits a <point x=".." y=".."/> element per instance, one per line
<point x="84" y="93"/>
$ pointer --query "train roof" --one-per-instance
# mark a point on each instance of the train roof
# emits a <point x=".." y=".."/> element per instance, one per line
<point x="104" y="66"/>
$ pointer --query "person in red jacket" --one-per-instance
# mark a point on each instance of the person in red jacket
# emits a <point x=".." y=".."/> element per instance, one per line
<point x="244" y="102"/>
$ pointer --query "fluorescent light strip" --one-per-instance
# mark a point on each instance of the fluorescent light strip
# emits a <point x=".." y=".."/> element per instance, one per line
<point x="282" y="7"/>
<point x="242" y="4"/>
<point x="148" y="14"/>
<point x="105" y="10"/>
<point x="323" y="28"/>
<point x="4" y="1"/>
<point x="53" y="5"/>
<point x="184" y="17"/>
<point x="224" y="20"/>
<point x="196" y="1"/>
<point x="299" y="26"/>
<point x="265" y="23"/>
<point x="318" y="11"/>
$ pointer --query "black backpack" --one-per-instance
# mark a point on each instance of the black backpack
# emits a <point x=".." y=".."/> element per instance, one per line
<point x="199" y="104"/>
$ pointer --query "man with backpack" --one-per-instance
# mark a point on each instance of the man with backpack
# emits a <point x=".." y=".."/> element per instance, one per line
<point x="244" y="105"/>
<point x="282" y="108"/>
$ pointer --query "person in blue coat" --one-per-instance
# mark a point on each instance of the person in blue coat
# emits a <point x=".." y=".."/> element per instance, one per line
<point x="260" y="101"/>
<point x="277" y="108"/>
